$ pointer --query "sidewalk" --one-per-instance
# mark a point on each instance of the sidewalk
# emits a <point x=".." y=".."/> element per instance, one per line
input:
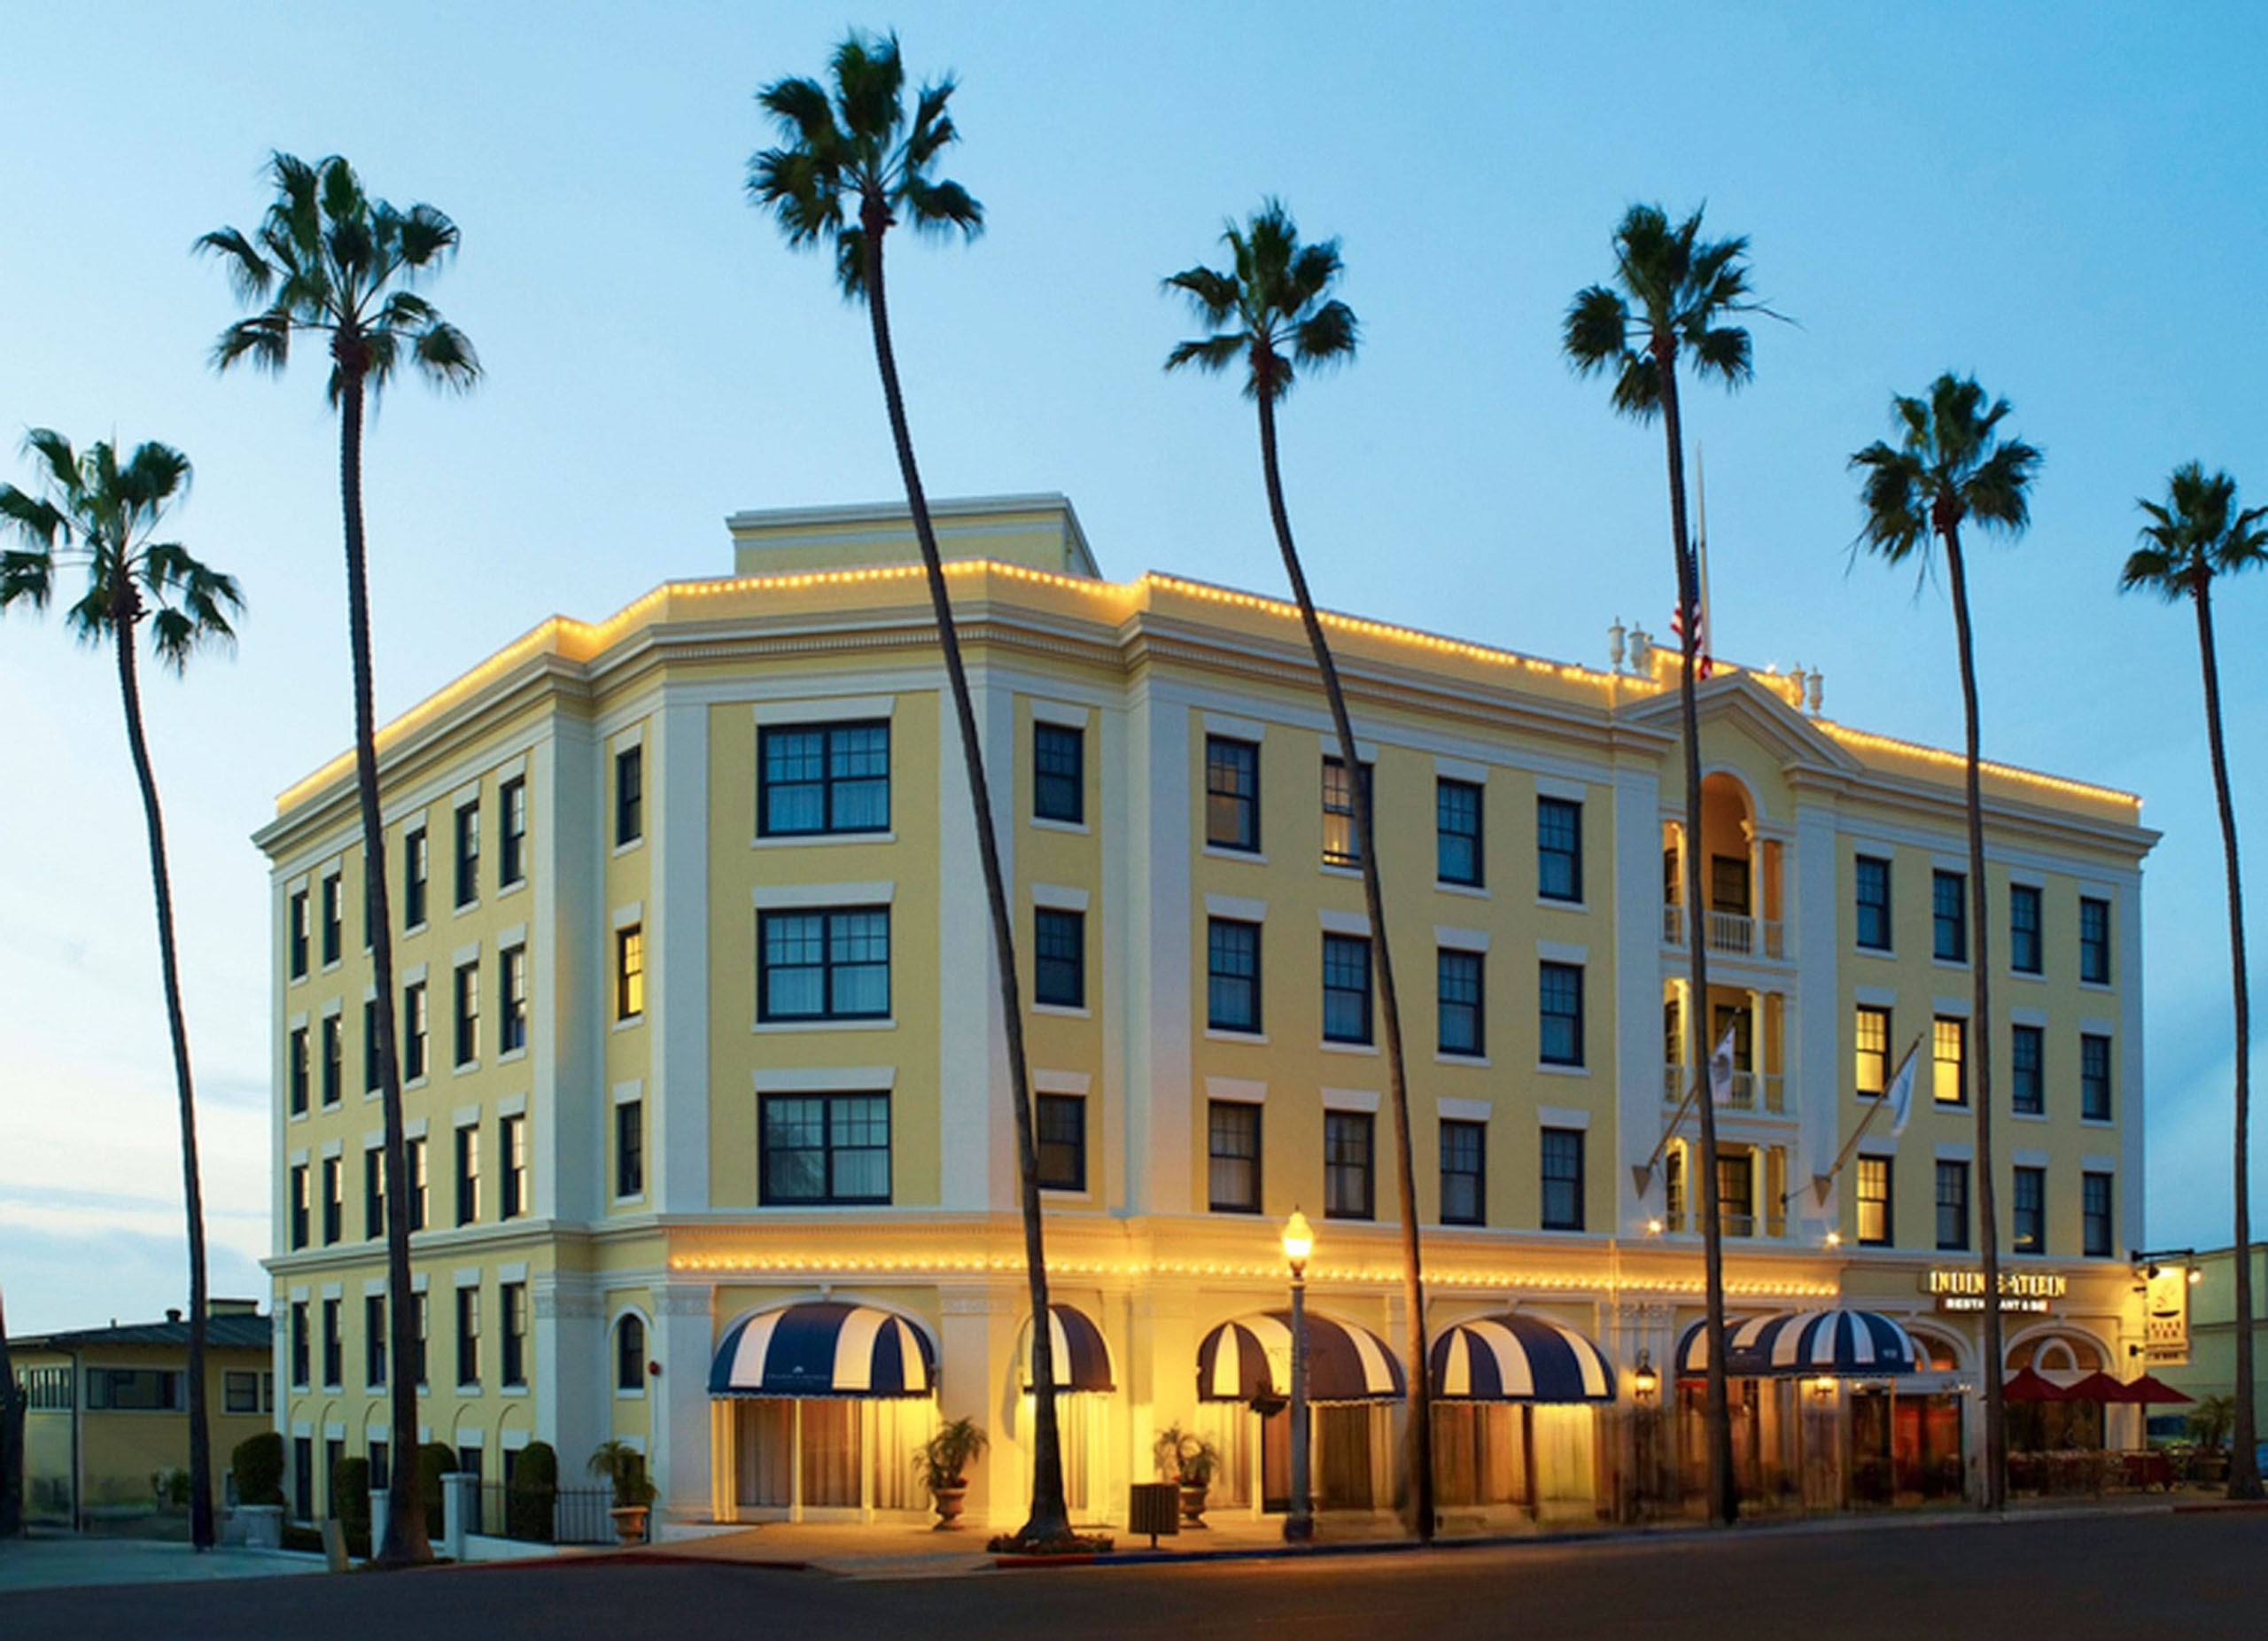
<point x="50" y="1563"/>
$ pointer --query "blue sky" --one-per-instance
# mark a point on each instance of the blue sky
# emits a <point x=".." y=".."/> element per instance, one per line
<point x="2067" y="200"/>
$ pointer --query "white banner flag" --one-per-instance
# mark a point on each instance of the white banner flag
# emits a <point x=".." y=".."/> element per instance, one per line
<point x="1900" y="1092"/>
<point x="1720" y="1070"/>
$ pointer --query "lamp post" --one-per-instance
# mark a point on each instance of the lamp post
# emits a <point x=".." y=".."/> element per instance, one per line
<point x="1298" y="1242"/>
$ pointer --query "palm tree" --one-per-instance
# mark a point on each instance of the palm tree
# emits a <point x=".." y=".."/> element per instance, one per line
<point x="2198" y="534"/>
<point x="1952" y="466"/>
<point x="103" y="516"/>
<point x="1271" y="309"/>
<point x="1672" y="294"/>
<point x="849" y="170"/>
<point x="12" y="1442"/>
<point x="330" y="261"/>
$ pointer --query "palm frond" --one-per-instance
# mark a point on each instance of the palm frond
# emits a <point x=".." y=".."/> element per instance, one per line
<point x="1724" y="353"/>
<point x="1214" y="294"/>
<point x="1328" y="336"/>
<point x="1638" y="387"/>
<point x="941" y="207"/>
<point x="1895" y="520"/>
<point x="1595" y="335"/>
<point x="1999" y="494"/>
<point x="869" y="79"/>
<point x="850" y="262"/>
<point x="1211" y="353"/>
<point x="250" y="273"/>
<point x="25" y="577"/>
<point x="445" y="356"/>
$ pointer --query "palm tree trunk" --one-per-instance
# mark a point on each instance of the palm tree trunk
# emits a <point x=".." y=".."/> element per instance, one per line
<point x="200" y="1450"/>
<point x="1418" y="1435"/>
<point x="405" y="1537"/>
<point x="1050" y="1517"/>
<point x="12" y="1442"/>
<point x="2244" y="1466"/>
<point x="1978" y="1049"/>
<point x="1724" y="1491"/>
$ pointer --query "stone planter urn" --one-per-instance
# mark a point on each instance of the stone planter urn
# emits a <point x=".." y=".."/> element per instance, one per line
<point x="950" y="1500"/>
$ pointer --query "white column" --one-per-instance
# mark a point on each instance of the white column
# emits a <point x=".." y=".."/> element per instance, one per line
<point x="678" y="1451"/>
<point x="569" y="1379"/>
<point x="2126" y="1093"/>
<point x="677" y="961"/>
<point x="1814" y="998"/>
<point x="975" y="1141"/>
<point x="1639" y="1111"/>
<point x="1160" y="1104"/>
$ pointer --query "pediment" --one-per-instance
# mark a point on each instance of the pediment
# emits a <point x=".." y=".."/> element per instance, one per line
<point x="1735" y="700"/>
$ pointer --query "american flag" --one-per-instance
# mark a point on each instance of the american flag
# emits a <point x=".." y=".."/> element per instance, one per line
<point x="1701" y="662"/>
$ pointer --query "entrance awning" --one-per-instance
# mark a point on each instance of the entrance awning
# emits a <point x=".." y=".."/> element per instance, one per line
<point x="1250" y="1360"/>
<point x="1081" y="1355"/>
<point x="1519" y="1358"/>
<point x="824" y="1348"/>
<point x="1831" y="1343"/>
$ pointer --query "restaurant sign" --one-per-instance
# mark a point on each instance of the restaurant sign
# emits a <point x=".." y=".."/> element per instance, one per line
<point x="1962" y="1288"/>
<point x="2166" y="1324"/>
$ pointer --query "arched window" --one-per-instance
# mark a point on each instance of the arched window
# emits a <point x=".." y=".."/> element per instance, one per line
<point x="629" y="1354"/>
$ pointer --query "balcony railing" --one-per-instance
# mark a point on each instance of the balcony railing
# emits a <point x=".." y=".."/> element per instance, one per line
<point x="1774" y="1223"/>
<point x="1732" y="932"/>
<point x="1752" y="1091"/>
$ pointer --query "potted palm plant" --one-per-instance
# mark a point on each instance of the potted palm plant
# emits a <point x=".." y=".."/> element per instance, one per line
<point x="624" y="1467"/>
<point x="1189" y="1459"/>
<point x="941" y="1462"/>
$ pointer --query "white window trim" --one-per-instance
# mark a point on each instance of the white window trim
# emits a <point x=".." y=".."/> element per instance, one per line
<point x="1362" y="1100"/>
<point x="1453" y="1110"/>
<point x="1563" y="1117"/>
<point x="785" y="712"/>
<point x="1562" y="952"/>
<point x="1459" y="769"/>
<point x="1062" y="714"/>
<point x="1461" y="940"/>
<point x="1337" y="922"/>
<point x="1061" y="1082"/>
<point x="788" y="896"/>
<point x="819" y="1080"/>
<point x="1237" y="908"/>
<point x="1238" y="1090"/>
<point x="1058" y="898"/>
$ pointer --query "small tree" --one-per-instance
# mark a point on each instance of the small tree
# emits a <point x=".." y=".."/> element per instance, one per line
<point x="258" y="1465"/>
<point x="529" y="1502"/>
<point x="435" y="1459"/>
<point x="350" y="1503"/>
<point x="1185" y="1456"/>
<point x="942" y="1461"/>
<point x="624" y="1467"/>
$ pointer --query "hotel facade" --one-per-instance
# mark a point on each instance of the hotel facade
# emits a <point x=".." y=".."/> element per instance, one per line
<point x="708" y="1110"/>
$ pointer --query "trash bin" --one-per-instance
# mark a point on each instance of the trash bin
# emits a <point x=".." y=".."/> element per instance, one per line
<point x="1153" y="1507"/>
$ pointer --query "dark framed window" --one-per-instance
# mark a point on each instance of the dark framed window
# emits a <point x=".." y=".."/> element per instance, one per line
<point x="820" y="778"/>
<point x="630" y="972"/>
<point x="1949" y="1056"/>
<point x="1561" y="1172"/>
<point x="1343" y="844"/>
<point x="2023" y="929"/>
<point x="1464" y="1172"/>
<point x="1456" y="832"/>
<point x="629" y="795"/>
<point x="334" y="1057"/>
<point x="512" y="999"/>
<point x="374" y="1341"/>
<point x="1231" y="794"/>
<point x="1558" y="849"/>
<point x="1870" y="1072"/>
<point x="1458" y="978"/>
<point x="825" y="1148"/>
<point x="2094" y="1077"/>
<point x="333" y="921"/>
<point x="295" y="1070"/>
<point x="301" y="1211"/>
<point x="303" y="1478"/>
<point x="2031" y="1215"/>
<point x="2094" y="941"/>
<point x="468" y="1157"/>
<point x="511" y="1166"/>
<point x="1231" y="975"/>
<point x="421" y="1325"/>
<point x="415" y="869"/>
<point x="824" y="964"/>
<point x="334" y="1343"/>
<point x="420" y="1185"/>
<point x="334" y="1199"/>
<point x="373" y="1192"/>
<point x="466" y="1037"/>
<point x="1559" y="1003"/>
<point x="1059" y="773"/>
<point x="138" y="1389"/>
<point x="630" y="1147"/>
<point x="1345" y="989"/>
<point x="468" y="853"/>
<point x="1232" y="1157"/>
<point x="239" y="1391"/>
<point x="302" y="1350"/>
<point x="2097" y="1236"/>
<point x="468" y="1336"/>
<point x="2028" y="1086"/>
<point x="1872" y="903"/>
<point x="629" y="1354"/>
<point x="369" y="1045"/>
<point x="296" y="934"/>
<point x="512" y="832"/>
<point x="1059" y="959"/>
<point x="1949" y="917"/>
<point x="512" y="1303"/>
<point x="413" y="1031"/>
<point x="1348" y="1164"/>
<point x="1061" y="1120"/>
<point x="1953" y="1205"/>
<point x="1737" y="1193"/>
<point x="1874" y="1202"/>
<point x="1728" y="887"/>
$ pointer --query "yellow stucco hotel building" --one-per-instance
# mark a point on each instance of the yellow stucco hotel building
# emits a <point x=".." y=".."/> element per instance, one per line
<point x="708" y="1107"/>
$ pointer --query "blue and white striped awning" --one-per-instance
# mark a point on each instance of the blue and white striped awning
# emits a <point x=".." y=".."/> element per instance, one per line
<point x="1081" y="1356"/>
<point x="1250" y="1359"/>
<point x="824" y="1348"/>
<point x="1518" y="1358"/>
<point x="1833" y="1343"/>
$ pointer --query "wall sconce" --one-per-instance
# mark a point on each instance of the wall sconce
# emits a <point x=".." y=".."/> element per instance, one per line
<point x="1643" y="1380"/>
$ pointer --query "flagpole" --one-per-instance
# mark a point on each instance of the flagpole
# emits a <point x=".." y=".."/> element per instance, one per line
<point x="1642" y="1174"/>
<point x="1821" y="1182"/>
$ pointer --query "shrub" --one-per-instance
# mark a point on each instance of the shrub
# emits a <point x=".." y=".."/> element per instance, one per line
<point x="623" y="1466"/>
<point x="258" y="1465"/>
<point x="435" y="1459"/>
<point x="528" y="1502"/>
<point x="350" y="1502"/>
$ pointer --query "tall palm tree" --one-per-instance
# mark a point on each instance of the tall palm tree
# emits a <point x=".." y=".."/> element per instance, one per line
<point x="101" y="517"/>
<point x="11" y="1441"/>
<point x="1272" y="311"/>
<point x="2198" y="533"/>
<point x="1672" y="295"/>
<point x="850" y="169"/>
<point x="1952" y="466"/>
<point x="330" y="261"/>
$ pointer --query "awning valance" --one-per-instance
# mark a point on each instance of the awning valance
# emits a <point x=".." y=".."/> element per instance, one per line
<point x="1250" y="1359"/>
<point x="1833" y="1343"/>
<point x="824" y="1348"/>
<point x="1081" y="1355"/>
<point x="1519" y="1358"/>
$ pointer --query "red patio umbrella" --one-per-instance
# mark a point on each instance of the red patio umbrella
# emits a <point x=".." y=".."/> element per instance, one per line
<point x="2025" y="1385"/>
<point x="2151" y="1391"/>
<point x="2097" y="1387"/>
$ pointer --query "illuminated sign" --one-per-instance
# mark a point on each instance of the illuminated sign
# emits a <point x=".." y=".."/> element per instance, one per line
<point x="2166" y="1324"/>
<point x="1962" y="1288"/>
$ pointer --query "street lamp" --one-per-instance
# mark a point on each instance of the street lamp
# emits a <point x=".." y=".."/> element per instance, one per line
<point x="1645" y="1381"/>
<point x="1298" y="1242"/>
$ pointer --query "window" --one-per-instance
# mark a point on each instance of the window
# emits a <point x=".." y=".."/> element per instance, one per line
<point x="1736" y="1194"/>
<point x="1729" y="885"/>
<point x="1949" y="1047"/>
<point x="468" y="1336"/>
<point x="295" y="1072"/>
<point x="468" y="825"/>
<point x="512" y="1300"/>
<point x="136" y="1389"/>
<point x="1871" y="1073"/>
<point x="1347" y="1164"/>
<point x="1058" y="773"/>
<point x="1345" y="989"/>
<point x="1874" y="1202"/>
<point x="1560" y="1006"/>
<point x="374" y="1343"/>
<point x="420" y="1316"/>
<point x="1059" y="958"/>
<point x="1456" y="832"/>
<point x="1342" y="843"/>
<point x="2094" y="941"/>
<point x="1562" y="1175"/>
<point x="512" y="832"/>
<point x="373" y="1192"/>
<point x="818" y="778"/>
<point x="512" y="1161"/>
<point x="630" y="1148"/>
<point x="303" y="1478"/>
<point x="1459" y="981"/>
<point x="334" y="1055"/>
<point x="2094" y="1077"/>
<point x="1231" y="975"/>
<point x="2030" y="1210"/>
<point x="2096" y="1235"/>
<point x="295" y="937"/>
<point x="1558" y="849"/>
<point x="413" y="1030"/>
<point x="301" y="1360"/>
<point x="334" y="1344"/>
<point x="333" y="920"/>
<point x="414" y="870"/>
<point x="825" y="1148"/>
<point x="298" y="1205"/>
<point x="2027" y="1087"/>
<point x="2023" y="929"/>
<point x="468" y="1155"/>
<point x="334" y="1199"/>
<point x="630" y="972"/>
<point x="378" y="1460"/>
<point x="512" y="999"/>
<point x="413" y="1158"/>
<point x="629" y="1354"/>
<point x="1873" y="903"/>
<point x="629" y="795"/>
<point x="240" y="1391"/>
<point x="1953" y="1205"/>
<point x="467" y="1035"/>
<point x="831" y="964"/>
<point x="1231" y="794"/>
<point x="1063" y="1124"/>
<point x="1465" y="1155"/>
<point x="1232" y="1157"/>
<point x="369" y="1045"/>
<point x="1949" y="917"/>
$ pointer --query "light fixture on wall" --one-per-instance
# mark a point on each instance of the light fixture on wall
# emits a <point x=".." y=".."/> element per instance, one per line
<point x="1643" y="1380"/>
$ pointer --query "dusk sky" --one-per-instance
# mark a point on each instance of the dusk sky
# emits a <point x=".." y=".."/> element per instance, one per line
<point x="2068" y="200"/>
